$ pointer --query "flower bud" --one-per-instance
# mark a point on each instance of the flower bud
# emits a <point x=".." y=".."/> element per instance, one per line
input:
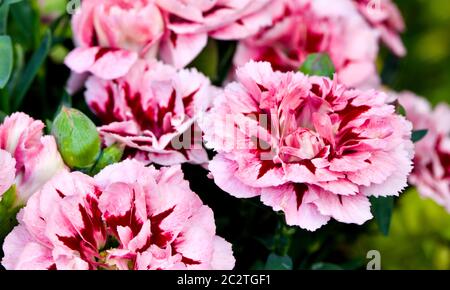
<point x="77" y="138"/>
<point x="110" y="155"/>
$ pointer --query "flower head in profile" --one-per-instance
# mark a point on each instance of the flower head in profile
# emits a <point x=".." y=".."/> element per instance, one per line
<point x="27" y="158"/>
<point x="303" y="27"/>
<point x="127" y="217"/>
<point x="431" y="172"/>
<point x="307" y="146"/>
<point x="153" y="111"/>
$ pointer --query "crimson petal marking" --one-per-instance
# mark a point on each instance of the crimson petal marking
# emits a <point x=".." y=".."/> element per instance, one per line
<point x="159" y="236"/>
<point x="104" y="50"/>
<point x="350" y="113"/>
<point x="300" y="189"/>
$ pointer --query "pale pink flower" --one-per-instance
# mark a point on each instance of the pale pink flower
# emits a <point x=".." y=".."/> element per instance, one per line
<point x="35" y="156"/>
<point x="127" y="217"/>
<point x="303" y="27"/>
<point x="431" y="172"/>
<point x="384" y="16"/>
<point x="152" y="110"/>
<point x="307" y="146"/>
<point x="189" y="23"/>
<point x="111" y="35"/>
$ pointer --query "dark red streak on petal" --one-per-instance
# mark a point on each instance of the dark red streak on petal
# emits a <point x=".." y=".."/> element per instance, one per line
<point x="159" y="236"/>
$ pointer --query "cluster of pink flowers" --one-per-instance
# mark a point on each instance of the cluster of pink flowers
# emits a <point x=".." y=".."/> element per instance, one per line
<point x="127" y="217"/>
<point x="27" y="158"/>
<point x="431" y="172"/>
<point x="112" y="34"/>
<point x="312" y="147"/>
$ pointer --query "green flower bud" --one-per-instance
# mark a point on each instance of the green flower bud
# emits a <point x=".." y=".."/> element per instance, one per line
<point x="110" y="155"/>
<point x="9" y="207"/>
<point x="77" y="138"/>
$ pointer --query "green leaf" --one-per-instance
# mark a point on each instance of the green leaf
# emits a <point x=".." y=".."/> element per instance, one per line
<point x="25" y="27"/>
<point x="275" y="262"/>
<point x="9" y="208"/>
<point x="208" y="60"/>
<point x="6" y="60"/>
<point x="109" y="155"/>
<point x="227" y="50"/>
<point x="418" y="135"/>
<point x="31" y="71"/>
<point x="325" y="266"/>
<point x="318" y="64"/>
<point x="4" y="11"/>
<point x="77" y="138"/>
<point x="382" y="208"/>
<point x="12" y="1"/>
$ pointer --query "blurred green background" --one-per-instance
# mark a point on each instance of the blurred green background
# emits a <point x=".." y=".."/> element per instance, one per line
<point x="420" y="230"/>
<point x="426" y="68"/>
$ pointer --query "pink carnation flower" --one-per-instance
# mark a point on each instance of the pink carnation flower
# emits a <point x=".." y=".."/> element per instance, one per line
<point x="127" y="217"/>
<point x="152" y="110"/>
<point x="302" y="27"/>
<point x="387" y="19"/>
<point x="431" y="172"/>
<point x="189" y="23"/>
<point x="27" y="159"/>
<point x="307" y="146"/>
<point x="112" y="34"/>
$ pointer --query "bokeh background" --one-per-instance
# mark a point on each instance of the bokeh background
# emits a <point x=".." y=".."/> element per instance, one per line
<point x="420" y="231"/>
<point x="419" y="237"/>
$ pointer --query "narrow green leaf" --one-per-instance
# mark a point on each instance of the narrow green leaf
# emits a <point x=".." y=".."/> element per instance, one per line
<point x="25" y="27"/>
<point x="318" y="64"/>
<point x="325" y="266"/>
<point x="418" y="135"/>
<point x="31" y="71"/>
<point x="275" y="262"/>
<point x="4" y="11"/>
<point x="227" y="50"/>
<point x="6" y="60"/>
<point x="12" y="1"/>
<point x="208" y="60"/>
<point x="382" y="208"/>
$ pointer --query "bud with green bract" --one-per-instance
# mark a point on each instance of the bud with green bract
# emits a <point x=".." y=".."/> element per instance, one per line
<point x="77" y="138"/>
<point x="109" y="155"/>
